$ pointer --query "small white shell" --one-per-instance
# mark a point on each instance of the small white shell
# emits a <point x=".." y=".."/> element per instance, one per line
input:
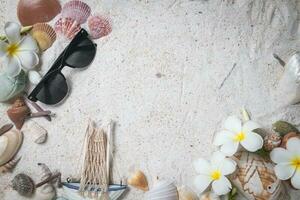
<point x="10" y="143"/>
<point x="162" y="190"/>
<point x="34" y="77"/>
<point x="37" y="132"/>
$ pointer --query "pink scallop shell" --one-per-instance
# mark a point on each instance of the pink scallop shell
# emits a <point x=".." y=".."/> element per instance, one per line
<point x="67" y="27"/>
<point x="99" y="26"/>
<point x="76" y="10"/>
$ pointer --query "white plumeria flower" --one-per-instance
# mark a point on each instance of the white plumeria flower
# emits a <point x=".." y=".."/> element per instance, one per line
<point x="236" y="133"/>
<point x="288" y="161"/>
<point x="19" y="52"/>
<point x="214" y="173"/>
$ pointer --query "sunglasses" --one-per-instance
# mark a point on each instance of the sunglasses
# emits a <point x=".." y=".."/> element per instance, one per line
<point x="53" y="87"/>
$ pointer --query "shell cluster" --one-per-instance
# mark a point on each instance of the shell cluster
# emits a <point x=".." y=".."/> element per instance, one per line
<point x="162" y="190"/>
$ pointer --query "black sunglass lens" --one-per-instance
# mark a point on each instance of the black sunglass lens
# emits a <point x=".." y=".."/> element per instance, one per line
<point x="54" y="89"/>
<point x="81" y="54"/>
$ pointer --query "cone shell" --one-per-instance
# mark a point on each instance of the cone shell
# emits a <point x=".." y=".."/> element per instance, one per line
<point x="139" y="180"/>
<point x="8" y="167"/>
<point x="67" y="27"/>
<point x="185" y="193"/>
<point x="10" y="143"/>
<point x="31" y="12"/>
<point x="76" y="10"/>
<point x="23" y="184"/>
<point x="18" y="112"/>
<point x="99" y="26"/>
<point x="44" y="34"/>
<point x="162" y="190"/>
<point x="255" y="178"/>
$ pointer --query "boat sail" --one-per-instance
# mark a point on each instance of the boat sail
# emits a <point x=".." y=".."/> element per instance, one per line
<point x="95" y="172"/>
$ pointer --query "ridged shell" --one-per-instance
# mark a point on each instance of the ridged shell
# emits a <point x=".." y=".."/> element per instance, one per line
<point x="76" y="10"/>
<point x="67" y="27"/>
<point x="23" y="184"/>
<point x="37" y="11"/>
<point x="255" y="178"/>
<point x="44" y="34"/>
<point x="11" y="87"/>
<point x="185" y="193"/>
<point x="8" y="167"/>
<point x="99" y="26"/>
<point x="10" y="143"/>
<point x="162" y="190"/>
<point x="139" y="180"/>
<point x="36" y="132"/>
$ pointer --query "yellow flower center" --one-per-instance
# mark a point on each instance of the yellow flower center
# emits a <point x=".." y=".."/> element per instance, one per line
<point x="12" y="49"/>
<point x="215" y="175"/>
<point x="239" y="137"/>
<point x="295" y="162"/>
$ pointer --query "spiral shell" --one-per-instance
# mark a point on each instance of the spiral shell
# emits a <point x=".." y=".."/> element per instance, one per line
<point x="162" y="190"/>
<point x="272" y="141"/>
<point x="23" y="184"/>
<point x="18" y="112"/>
<point x="8" y="167"/>
<point x="44" y="34"/>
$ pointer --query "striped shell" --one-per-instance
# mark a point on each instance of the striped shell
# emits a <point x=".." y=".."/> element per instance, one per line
<point x="11" y="87"/>
<point x="255" y="178"/>
<point x="76" y="10"/>
<point x="44" y="34"/>
<point x="162" y="190"/>
<point x="67" y="27"/>
<point x="10" y="143"/>
<point x="99" y="26"/>
<point x="8" y="167"/>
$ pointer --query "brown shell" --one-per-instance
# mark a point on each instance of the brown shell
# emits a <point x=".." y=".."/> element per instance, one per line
<point x="18" y="112"/>
<point x="44" y="34"/>
<point x="272" y="141"/>
<point x="23" y="184"/>
<point x="287" y="137"/>
<point x="139" y="180"/>
<point x="8" y="167"/>
<point x="37" y="11"/>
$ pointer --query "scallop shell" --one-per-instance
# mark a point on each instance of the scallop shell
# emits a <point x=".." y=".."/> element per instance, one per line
<point x="10" y="143"/>
<point x="185" y="193"/>
<point x="99" y="26"/>
<point x="255" y="178"/>
<point x="76" y="10"/>
<point x="139" y="181"/>
<point x="162" y="190"/>
<point x="35" y="131"/>
<point x="23" y="184"/>
<point x="272" y="141"/>
<point x="8" y="167"/>
<point x="67" y="27"/>
<point x="18" y="112"/>
<point x="36" y="11"/>
<point x="11" y="87"/>
<point x="44" y="34"/>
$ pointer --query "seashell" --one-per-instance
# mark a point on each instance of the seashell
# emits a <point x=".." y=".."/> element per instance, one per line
<point x="186" y="194"/>
<point x="5" y="128"/>
<point x="46" y="172"/>
<point x="99" y="26"/>
<point x="283" y="127"/>
<point x="37" y="132"/>
<point x="44" y="34"/>
<point x="47" y="191"/>
<point x="10" y="143"/>
<point x="37" y="11"/>
<point x="139" y="180"/>
<point x="255" y="178"/>
<point x="8" y="167"/>
<point x="162" y="190"/>
<point x="272" y="141"/>
<point x="11" y="87"/>
<point x="23" y="184"/>
<point x="76" y="10"/>
<point x="287" y="137"/>
<point x="67" y="27"/>
<point x="18" y="112"/>
<point x="209" y="196"/>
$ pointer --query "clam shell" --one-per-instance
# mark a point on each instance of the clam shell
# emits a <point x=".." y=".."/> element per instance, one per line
<point x="185" y="193"/>
<point x="36" y="11"/>
<point x="76" y="10"/>
<point x="44" y="34"/>
<point x="139" y="180"/>
<point x="36" y="132"/>
<point x="11" y="87"/>
<point x="99" y="26"/>
<point x="162" y="190"/>
<point x="255" y="178"/>
<point x="10" y="143"/>
<point x="67" y="27"/>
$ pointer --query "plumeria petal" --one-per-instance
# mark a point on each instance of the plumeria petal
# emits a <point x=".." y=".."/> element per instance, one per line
<point x="284" y="171"/>
<point x="250" y="126"/>
<point x="293" y="145"/>
<point x="12" y="31"/>
<point x="221" y="186"/>
<point x="296" y="180"/>
<point x="28" y="44"/>
<point x="12" y="66"/>
<point x="233" y="123"/>
<point x="3" y="47"/>
<point x="223" y="137"/>
<point x="280" y="155"/>
<point x="201" y="182"/>
<point x="217" y="158"/>
<point x="202" y="166"/>
<point x="28" y="59"/>
<point x="229" y="148"/>
<point x="252" y="142"/>
<point x="228" y="166"/>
